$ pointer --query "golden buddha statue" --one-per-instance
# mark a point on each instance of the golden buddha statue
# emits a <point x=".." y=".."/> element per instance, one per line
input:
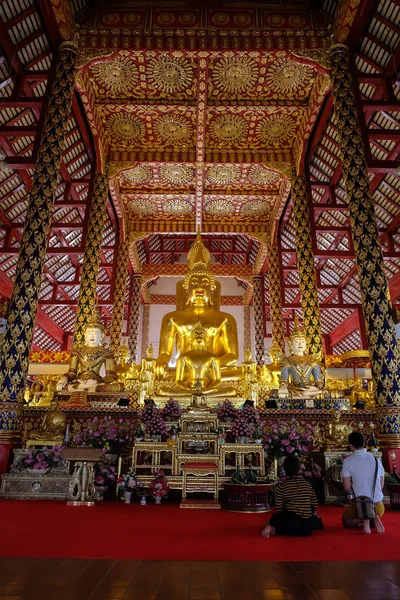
<point x="52" y="429"/>
<point x="147" y="376"/>
<point x="337" y="431"/>
<point x="122" y="365"/>
<point x="274" y="367"/>
<point x="301" y="374"/>
<point x="250" y="377"/>
<point x="205" y="338"/>
<point x="360" y="394"/>
<point x="86" y="362"/>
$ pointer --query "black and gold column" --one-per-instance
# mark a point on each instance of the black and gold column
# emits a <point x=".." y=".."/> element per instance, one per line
<point x="306" y="266"/>
<point x="275" y="294"/>
<point x="14" y="358"/>
<point x="91" y="259"/>
<point x="134" y="317"/>
<point x="119" y="297"/>
<point x="258" y="319"/>
<point x="370" y="265"/>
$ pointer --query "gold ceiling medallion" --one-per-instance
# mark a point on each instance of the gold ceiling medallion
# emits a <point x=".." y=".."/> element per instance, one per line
<point x="142" y="208"/>
<point x="259" y="175"/>
<point x="119" y="76"/>
<point x="139" y="174"/>
<point x="125" y="129"/>
<point x="255" y="208"/>
<point x="170" y="74"/>
<point x="235" y="74"/>
<point x="177" y="174"/>
<point x="177" y="208"/>
<point x="173" y="129"/>
<point x="227" y="129"/>
<point x="277" y="130"/>
<point x="223" y="174"/>
<point x="219" y="207"/>
<point x="287" y="77"/>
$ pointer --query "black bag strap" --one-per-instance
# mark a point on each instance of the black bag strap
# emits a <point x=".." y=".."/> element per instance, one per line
<point x="375" y="476"/>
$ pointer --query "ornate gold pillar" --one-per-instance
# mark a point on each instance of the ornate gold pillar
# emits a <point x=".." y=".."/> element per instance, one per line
<point x="134" y="317"/>
<point x="306" y="266"/>
<point x="90" y="267"/>
<point x="258" y="319"/>
<point x="14" y="358"/>
<point x="119" y="296"/>
<point x="275" y="294"/>
<point x="246" y="328"/>
<point x="145" y="328"/>
<point x="370" y="265"/>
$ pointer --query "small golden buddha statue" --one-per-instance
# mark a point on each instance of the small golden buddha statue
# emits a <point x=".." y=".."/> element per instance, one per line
<point x="122" y="362"/>
<point x="87" y="361"/>
<point x="147" y="376"/>
<point x="277" y="355"/>
<point x="198" y="402"/>
<point x="360" y="395"/>
<point x="210" y="352"/>
<point x="52" y="429"/>
<point x="337" y="431"/>
<point x="301" y="374"/>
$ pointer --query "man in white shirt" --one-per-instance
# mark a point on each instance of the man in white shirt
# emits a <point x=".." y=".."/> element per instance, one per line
<point x="358" y="473"/>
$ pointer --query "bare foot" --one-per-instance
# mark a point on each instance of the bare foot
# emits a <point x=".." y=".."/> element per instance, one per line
<point x="366" y="527"/>
<point x="379" y="525"/>
<point x="268" y="531"/>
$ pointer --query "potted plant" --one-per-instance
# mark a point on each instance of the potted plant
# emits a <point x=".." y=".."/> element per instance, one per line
<point x="159" y="488"/>
<point x="227" y="411"/>
<point x="241" y="429"/>
<point x="257" y="434"/>
<point x="129" y="484"/>
<point x="155" y="425"/>
<point x="172" y="410"/>
<point x="105" y="476"/>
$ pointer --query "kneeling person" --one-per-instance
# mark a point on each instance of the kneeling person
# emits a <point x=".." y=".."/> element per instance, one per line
<point x="295" y="502"/>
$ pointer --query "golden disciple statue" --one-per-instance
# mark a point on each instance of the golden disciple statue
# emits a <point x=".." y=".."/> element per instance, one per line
<point x="52" y="429"/>
<point x="274" y="367"/>
<point x="87" y="361"/>
<point x="301" y="374"/>
<point x="205" y="338"/>
<point x="337" y="431"/>
<point x="147" y="376"/>
<point x="250" y="377"/>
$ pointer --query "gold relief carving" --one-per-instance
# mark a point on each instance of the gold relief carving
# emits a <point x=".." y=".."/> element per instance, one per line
<point x="170" y="74"/>
<point x="119" y="75"/>
<point x="139" y="174"/>
<point x="255" y="208"/>
<point x="143" y="208"/>
<point x="219" y="207"/>
<point x="177" y="208"/>
<point x="321" y="57"/>
<point x="115" y="167"/>
<point x="223" y="174"/>
<point x="261" y="176"/>
<point x="277" y="130"/>
<point x="235" y="74"/>
<point x="177" y="174"/>
<point x="134" y="236"/>
<point x="124" y="129"/>
<point x="289" y="78"/>
<point x="86" y="55"/>
<point x="173" y="128"/>
<point x="285" y="168"/>
<point x="228" y="129"/>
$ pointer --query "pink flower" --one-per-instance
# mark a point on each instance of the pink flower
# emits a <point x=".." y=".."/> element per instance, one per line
<point x="289" y="449"/>
<point x="304" y="448"/>
<point x="99" y="480"/>
<point x="285" y="442"/>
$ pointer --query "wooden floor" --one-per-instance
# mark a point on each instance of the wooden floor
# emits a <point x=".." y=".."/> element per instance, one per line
<point x="74" y="579"/>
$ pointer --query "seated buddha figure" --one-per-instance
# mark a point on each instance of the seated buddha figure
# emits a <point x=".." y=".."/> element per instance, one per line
<point x="209" y="353"/>
<point x="301" y="374"/>
<point x="86" y="362"/>
<point x="52" y="429"/>
<point x="337" y="431"/>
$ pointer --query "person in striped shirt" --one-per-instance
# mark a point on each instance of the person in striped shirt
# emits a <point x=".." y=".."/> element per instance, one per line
<point x="295" y="502"/>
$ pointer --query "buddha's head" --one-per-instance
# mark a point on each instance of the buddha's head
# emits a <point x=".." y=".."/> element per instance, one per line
<point x="199" y="289"/>
<point x="94" y="331"/>
<point x="276" y="352"/>
<point x="54" y="404"/>
<point x="247" y="355"/>
<point x="198" y="336"/>
<point x="150" y="352"/>
<point x="298" y="340"/>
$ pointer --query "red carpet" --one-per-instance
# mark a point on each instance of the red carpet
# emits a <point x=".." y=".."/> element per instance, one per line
<point x="115" y="530"/>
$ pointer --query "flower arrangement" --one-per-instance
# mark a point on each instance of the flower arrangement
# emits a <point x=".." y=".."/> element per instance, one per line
<point x="39" y="459"/>
<point x="227" y="411"/>
<point x="159" y="488"/>
<point x="128" y="482"/>
<point x="287" y="437"/>
<point x="104" y="473"/>
<point x="171" y="409"/>
<point x="249" y="413"/>
<point x="153" y="421"/>
<point x="104" y="432"/>
<point x="241" y="427"/>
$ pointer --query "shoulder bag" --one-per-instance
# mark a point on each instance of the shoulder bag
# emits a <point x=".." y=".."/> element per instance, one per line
<point x="365" y="505"/>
